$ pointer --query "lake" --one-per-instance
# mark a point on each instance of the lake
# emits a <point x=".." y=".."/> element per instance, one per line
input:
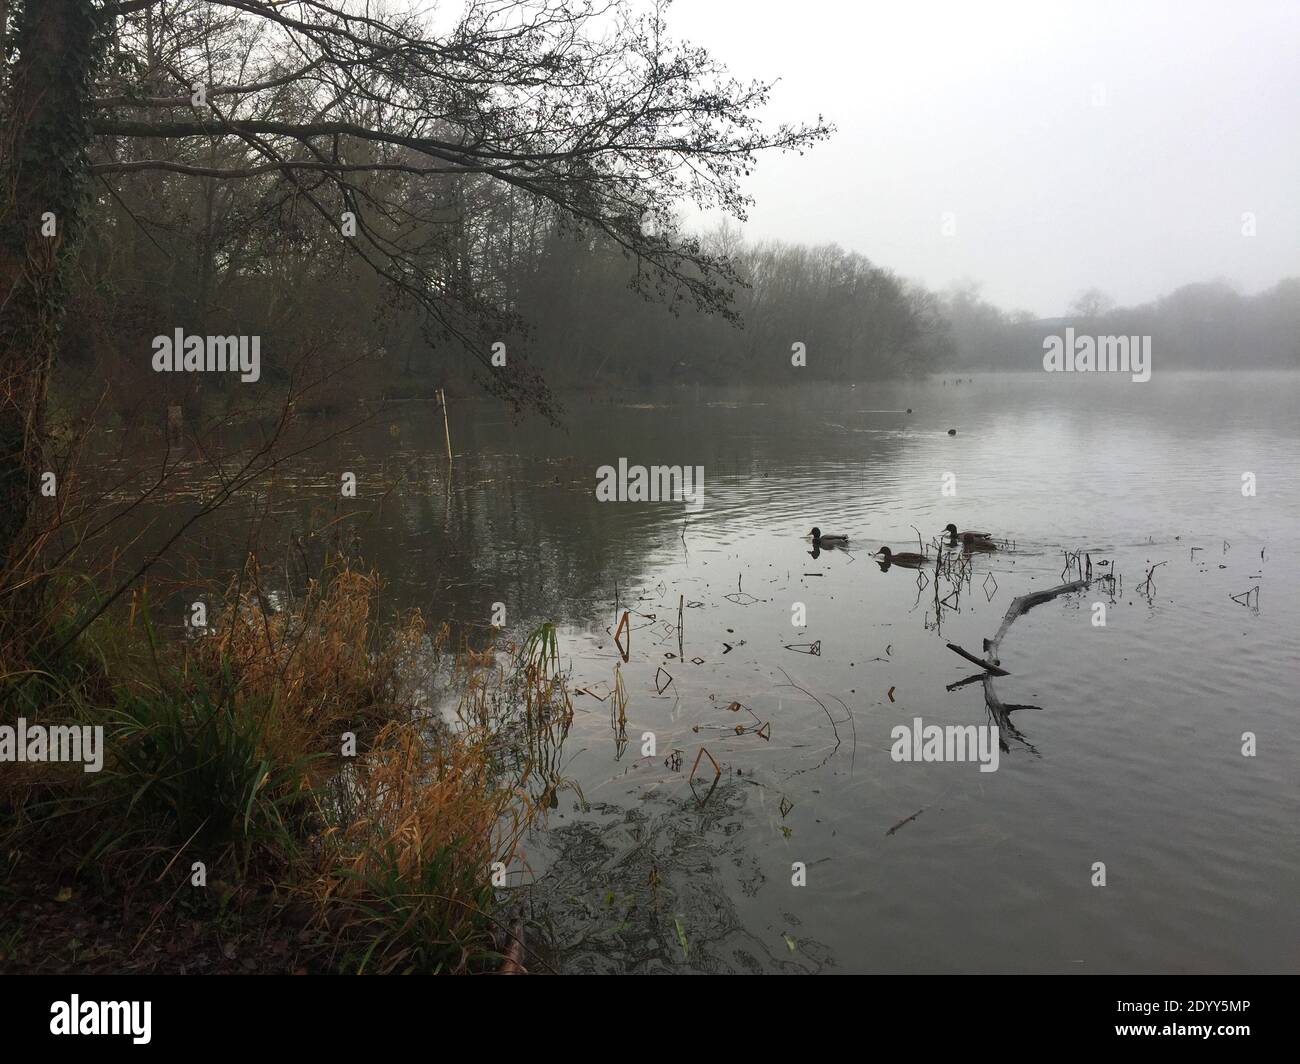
<point x="1134" y="759"/>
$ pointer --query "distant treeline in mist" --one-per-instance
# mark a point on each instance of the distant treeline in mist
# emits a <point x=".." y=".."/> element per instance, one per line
<point x="1197" y="326"/>
<point x="163" y="252"/>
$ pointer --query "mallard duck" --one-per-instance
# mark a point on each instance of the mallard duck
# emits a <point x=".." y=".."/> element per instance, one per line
<point x="975" y="537"/>
<point x="970" y="543"/>
<point x="827" y="541"/>
<point x="903" y="558"/>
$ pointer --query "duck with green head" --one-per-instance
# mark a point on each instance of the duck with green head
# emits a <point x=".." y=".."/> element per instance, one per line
<point x="956" y="537"/>
<point x="820" y="540"/>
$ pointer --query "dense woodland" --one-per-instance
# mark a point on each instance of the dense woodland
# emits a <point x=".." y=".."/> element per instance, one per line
<point x="202" y="233"/>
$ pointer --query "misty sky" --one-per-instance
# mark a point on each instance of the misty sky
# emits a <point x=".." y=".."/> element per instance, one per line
<point x="986" y="110"/>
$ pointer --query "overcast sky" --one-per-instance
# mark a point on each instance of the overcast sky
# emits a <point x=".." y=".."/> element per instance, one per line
<point x="1075" y="143"/>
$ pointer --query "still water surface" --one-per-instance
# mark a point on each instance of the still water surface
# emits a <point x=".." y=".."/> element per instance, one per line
<point x="1134" y="759"/>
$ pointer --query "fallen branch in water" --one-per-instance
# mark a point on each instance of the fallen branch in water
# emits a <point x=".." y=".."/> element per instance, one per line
<point x="1024" y="604"/>
<point x="985" y="665"/>
<point x="975" y="677"/>
<point x="999" y="710"/>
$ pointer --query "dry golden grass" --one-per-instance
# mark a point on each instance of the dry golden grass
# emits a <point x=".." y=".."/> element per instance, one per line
<point x="407" y="875"/>
<point x="393" y="848"/>
<point x="419" y="793"/>
<point x="327" y="665"/>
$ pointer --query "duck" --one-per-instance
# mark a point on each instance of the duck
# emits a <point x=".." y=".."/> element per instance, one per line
<point x="974" y="537"/>
<point x="970" y="543"/>
<point x="827" y="541"/>
<point x="905" y="559"/>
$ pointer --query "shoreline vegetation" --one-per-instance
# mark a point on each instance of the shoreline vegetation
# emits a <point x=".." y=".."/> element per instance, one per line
<point x="283" y="791"/>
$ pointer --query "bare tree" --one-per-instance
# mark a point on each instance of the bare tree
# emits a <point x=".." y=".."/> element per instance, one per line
<point x="346" y="107"/>
<point x="1092" y="303"/>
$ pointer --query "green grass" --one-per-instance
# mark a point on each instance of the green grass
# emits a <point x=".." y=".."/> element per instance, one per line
<point x="190" y="769"/>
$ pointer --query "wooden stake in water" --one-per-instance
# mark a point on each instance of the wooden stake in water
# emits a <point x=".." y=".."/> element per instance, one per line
<point x="442" y="395"/>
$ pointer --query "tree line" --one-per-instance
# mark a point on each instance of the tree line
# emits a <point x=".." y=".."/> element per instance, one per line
<point x="1201" y="326"/>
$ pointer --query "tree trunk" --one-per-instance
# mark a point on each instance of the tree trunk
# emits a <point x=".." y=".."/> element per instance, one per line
<point x="43" y="139"/>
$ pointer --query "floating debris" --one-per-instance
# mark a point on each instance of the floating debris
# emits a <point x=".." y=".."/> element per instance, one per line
<point x="1244" y="598"/>
<point x="717" y="774"/>
<point x="906" y="820"/>
<point x="814" y="649"/>
<point x="621" y="630"/>
<point x="1148" y="583"/>
<point x="662" y="685"/>
<point x="593" y="693"/>
<point x="739" y="596"/>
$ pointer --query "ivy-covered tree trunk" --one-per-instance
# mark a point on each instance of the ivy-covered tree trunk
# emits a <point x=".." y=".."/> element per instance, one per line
<point x="44" y="134"/>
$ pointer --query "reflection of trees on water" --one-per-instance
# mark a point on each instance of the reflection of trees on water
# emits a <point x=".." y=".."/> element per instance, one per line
<point x="516" y="520"/>
<point x="623" y="889"/>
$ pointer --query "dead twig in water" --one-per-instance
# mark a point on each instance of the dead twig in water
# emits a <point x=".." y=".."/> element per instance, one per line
<point x="1243" y="598"/>
<point x="906" y="820"/>
<point x="660" y="688"/>
<point x="829" y="717"/>
<point x="814" y="649"/>
<point x="623" y="626"/>
<point x="986" y="666"/>
<point x="717" y="774"/>
<point x="1147" y="582"/>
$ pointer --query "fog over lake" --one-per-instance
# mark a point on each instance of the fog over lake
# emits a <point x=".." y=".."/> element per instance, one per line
<point x="1134" y="758"/>
<point x="628" y="487"/>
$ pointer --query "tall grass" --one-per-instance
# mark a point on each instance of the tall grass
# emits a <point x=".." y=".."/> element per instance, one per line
<point x="411" y="863"/>
<point x="235" y="747"/>
<point x="199" y="770"/>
